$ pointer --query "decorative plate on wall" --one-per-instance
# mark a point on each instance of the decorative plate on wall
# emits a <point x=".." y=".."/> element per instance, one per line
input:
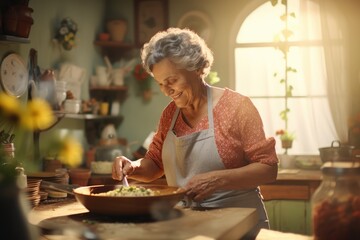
<point x="14" y="75"/>
<point x="199" y="22"/>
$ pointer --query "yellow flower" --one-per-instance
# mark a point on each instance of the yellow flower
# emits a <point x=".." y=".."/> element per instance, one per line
<point x="69" y="36"/>
<point x="10" y="108"/>
<point x="70" y="152"/>
<point x="37" y="115"/>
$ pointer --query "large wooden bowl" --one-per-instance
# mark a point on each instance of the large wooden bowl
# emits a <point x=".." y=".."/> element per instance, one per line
<point x="165" y="200"/>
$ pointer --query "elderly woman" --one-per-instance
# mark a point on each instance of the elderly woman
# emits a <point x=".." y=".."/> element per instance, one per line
<point x="209" y="141"/>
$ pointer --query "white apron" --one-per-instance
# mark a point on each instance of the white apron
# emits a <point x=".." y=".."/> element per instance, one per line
<point x="185" y="156"/>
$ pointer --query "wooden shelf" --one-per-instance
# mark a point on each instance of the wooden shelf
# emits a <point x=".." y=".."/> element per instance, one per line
<point x="109" y="93"/>
<point x="14" y="39"/>
<point x="109" y="88"/>
<point x="88" y="116"/>
<point x="113" y="44"/>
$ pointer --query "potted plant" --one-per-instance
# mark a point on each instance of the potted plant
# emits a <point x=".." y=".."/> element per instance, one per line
<point x="286" y="139"/>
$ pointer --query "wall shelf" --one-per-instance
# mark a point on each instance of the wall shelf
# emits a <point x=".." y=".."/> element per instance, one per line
<point x="109" y="88"/>
<point x="13" y="39"/>
<point x="116" y="50"/>
<point x="109" y="93"/>
<point x="113" y="44"/>
<point x="88" y="116"/>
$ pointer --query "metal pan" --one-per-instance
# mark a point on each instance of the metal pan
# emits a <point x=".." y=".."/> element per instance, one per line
<point x="336" y="152"/>
<point x="167" y="198"/>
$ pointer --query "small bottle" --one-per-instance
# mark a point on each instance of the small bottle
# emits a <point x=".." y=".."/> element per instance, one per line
<point x="21" y="178"/>
<point x="336" y="202"/>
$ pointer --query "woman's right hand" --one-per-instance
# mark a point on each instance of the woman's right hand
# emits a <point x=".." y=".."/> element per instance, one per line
<point x="121" y="167"/>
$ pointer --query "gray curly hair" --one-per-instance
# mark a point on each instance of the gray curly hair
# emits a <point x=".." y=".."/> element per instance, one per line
<point x="181" y="46"/>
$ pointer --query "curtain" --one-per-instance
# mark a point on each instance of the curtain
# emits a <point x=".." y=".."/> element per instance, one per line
<point x="336" y="42"/>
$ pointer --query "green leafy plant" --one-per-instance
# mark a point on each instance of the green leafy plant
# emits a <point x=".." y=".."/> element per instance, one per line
<point x="282" y="40"/>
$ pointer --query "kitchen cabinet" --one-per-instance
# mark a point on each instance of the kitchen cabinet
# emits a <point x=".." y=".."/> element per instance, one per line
<point x="289" y="216"/>
<point x="287" y="200"/>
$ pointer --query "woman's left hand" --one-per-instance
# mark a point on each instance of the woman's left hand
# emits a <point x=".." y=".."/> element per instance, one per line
<point x="202" y="186"/>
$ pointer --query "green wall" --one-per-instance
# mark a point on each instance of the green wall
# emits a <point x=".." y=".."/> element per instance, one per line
<point x="140" y="118"/>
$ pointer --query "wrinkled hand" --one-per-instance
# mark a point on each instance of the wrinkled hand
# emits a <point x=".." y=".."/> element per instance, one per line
<point x="201" y="186"/>
<point x="121" y="167"/>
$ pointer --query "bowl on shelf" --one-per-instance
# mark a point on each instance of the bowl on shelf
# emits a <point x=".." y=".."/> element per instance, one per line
<point x="72" y="106"/>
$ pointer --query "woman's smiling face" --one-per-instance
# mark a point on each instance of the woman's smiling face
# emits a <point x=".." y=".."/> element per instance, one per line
<point x="181" y="85"/>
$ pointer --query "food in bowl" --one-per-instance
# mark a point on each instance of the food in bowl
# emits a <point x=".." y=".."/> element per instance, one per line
<point x="130" y="191"/>
<point x="166" y="196"/>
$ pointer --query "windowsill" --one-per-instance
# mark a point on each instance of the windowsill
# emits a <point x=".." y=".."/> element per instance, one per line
<point x="304" y="162"/>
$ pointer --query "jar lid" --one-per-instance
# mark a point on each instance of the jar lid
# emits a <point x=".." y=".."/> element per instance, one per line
<point x="340" y="168"/>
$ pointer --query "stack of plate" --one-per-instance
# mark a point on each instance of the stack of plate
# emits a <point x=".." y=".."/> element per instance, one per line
<point x="55" y="177"/>
<point x="32" y="191"/>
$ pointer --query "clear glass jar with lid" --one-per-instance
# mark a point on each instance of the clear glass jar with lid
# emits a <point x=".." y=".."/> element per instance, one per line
<point x="336" y="202"/>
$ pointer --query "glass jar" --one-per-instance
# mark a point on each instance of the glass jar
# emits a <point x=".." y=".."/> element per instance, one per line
<point x="336" y="202"/>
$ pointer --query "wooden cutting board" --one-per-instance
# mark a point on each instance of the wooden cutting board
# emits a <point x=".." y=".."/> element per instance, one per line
<point x="225" y="223"/>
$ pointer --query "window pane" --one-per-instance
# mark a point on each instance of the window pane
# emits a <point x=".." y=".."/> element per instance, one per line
<point x="255" y="68"/>
<point x="310" y="76"/>
<point x="308" y="119"/>
<point x="260" y="68"/>
<point x="264" y="23"/>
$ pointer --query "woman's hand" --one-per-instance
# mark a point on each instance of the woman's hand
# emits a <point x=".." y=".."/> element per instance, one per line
<point x="201" y="186"/>
<point x="121" y="167"/>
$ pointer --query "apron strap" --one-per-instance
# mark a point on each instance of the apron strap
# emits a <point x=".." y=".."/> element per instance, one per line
<point x="210" y="107"/>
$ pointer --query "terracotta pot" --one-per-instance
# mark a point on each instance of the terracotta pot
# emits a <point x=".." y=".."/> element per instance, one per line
<point x="10" y="19"/>
<point x="51" y="164"/>
<point x="286" y="144"/>
<point x="117" y="29"/>
<point x="80" y="176"/>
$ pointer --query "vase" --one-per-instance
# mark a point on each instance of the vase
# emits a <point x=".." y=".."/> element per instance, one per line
<point x="14" y="208"/>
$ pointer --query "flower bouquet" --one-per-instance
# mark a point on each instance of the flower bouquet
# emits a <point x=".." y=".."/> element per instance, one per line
<point x="66" y="33"/>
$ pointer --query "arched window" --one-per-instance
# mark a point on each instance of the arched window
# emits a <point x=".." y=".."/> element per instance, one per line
<point x="261" y="64"/>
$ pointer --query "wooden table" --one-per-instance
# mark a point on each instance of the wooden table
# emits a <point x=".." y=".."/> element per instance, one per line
<point x="182" y="223"/>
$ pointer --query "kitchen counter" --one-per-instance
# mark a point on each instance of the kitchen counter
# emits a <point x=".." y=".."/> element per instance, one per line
<point x="70" y="218"/>
<point x="292" y="184"/>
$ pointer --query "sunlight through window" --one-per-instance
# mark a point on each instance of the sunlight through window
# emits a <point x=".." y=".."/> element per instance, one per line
<point x="259" y="68"/>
